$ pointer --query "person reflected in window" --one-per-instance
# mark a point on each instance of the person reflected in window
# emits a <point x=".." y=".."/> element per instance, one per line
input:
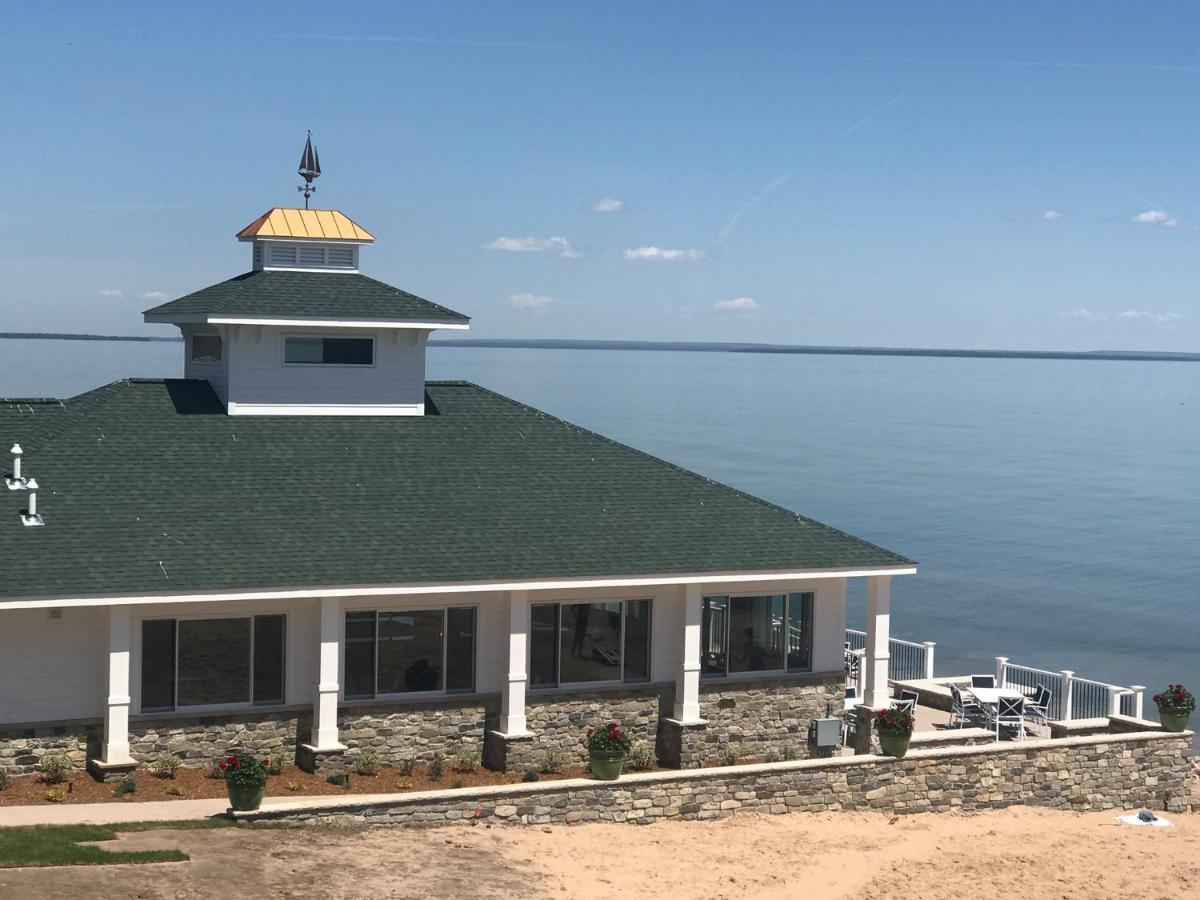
<point x="582" y="612"/>
<point x="753" y="653"/>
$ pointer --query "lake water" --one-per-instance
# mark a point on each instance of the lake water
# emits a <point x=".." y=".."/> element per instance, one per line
<point x="1053" y="505"/>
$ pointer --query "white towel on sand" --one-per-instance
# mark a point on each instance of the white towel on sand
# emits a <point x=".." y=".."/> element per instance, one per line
<point x="1157" y="822"/>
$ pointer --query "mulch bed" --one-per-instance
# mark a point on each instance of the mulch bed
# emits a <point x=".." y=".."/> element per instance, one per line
<point x="194" y="784"/>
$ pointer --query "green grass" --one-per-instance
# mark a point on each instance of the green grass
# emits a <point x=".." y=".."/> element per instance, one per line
<point x="60" y="845"/>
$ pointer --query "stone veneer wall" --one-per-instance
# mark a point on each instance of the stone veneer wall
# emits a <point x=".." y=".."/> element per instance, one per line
<point x="419" y="730"/>
<point x="1148" y="769"/>
<point x="22" y="747"/>
<point x="198" y="740"/>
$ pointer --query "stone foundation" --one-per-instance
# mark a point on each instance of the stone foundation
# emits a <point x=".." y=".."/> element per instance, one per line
<point x="420" y="730"/>
<point x="559" y="719"/>
<point x="198" y="740"/>
<point x="22" y="747"/>
<point x="1118" y="771"/>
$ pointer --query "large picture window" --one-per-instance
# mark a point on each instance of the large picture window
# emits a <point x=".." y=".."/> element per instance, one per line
<point x="212" y="662"/>
<point x="409" y="652"/>
<point x="587" y="643"/>
<point x="771" y="633"/>
<point x="330" y="351"/>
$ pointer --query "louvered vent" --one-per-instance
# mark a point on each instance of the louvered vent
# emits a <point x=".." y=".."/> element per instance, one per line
<point x="282" y="255"/>
<point x="258" y="256"/>
<point x="312" y="256"/>
<point x="341" y="257"/>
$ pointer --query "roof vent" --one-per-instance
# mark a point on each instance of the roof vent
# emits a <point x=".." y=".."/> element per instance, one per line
<point x="31" y="516"/>
<point x="15" y="482"/>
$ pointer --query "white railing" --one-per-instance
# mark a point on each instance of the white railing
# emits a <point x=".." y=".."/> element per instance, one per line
<point x="1073" y="697"/>
<point x="907" y="660"/>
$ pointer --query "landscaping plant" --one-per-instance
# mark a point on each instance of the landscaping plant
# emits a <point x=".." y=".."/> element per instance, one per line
<point x="554" y="761"/>
<point x="165" y="765"/>
<point x="367" y="763"/>
<point x="1176" y="697"/>
<point x="407" y="766"/>
<point x="464" y="761"/>
<point x="641" y="757"/>
<point x="245" y="779"/>
<point x="608" y="742"/>
<point x="175" y="790"/>
<point x="894" y="721"/>
<point x="56" y="796"/>
<point x="125" y="786"/>
<point x="437" y="768"/>
<point x="275" y="763"/>
<point x="731" y="754"/>
<point x="3" y="781"/>
<point x="55" y="768"/>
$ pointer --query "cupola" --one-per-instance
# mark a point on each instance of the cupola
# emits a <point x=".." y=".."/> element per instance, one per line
<point x="304" y="332"/>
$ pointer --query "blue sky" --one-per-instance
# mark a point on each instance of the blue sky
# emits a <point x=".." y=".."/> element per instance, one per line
<point x="1000" y="175"/>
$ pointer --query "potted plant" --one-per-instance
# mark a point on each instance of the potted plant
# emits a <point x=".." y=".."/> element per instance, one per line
<point x="246" y="780"/>
<point x="895" y="727"/>
<point x="1175" y="705"/>
<point x="607" y="748"/>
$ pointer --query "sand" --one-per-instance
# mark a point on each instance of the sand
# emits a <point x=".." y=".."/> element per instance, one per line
<point x="1022" y="852"/>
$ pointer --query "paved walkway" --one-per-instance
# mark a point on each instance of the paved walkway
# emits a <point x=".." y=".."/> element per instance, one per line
<point x="115" y="813"/>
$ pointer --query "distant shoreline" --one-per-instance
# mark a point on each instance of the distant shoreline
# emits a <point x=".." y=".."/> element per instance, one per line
<point x="710" y="347"/>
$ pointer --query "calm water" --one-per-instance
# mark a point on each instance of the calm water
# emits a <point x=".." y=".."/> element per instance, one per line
<point x="1053" y="505"/>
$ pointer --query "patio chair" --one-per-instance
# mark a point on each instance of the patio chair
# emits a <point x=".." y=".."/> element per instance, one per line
<point x="964" y="711"/>
<point x="1038" y="709"/>
<point x="1010" y="711"/>
<point x="851" y="692"/>
<point x="910" y="694"/>
<point x="905" y="703"/>
<point x="983" y="681"/>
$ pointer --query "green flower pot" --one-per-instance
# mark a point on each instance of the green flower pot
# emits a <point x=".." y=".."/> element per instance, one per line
<point x="1174" y="719"/>
<point x="606" y="768"/>
<point x="245" y="798"/>
<point x="893" y="743"/>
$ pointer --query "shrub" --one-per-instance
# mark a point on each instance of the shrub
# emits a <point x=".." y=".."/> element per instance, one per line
<point x="530" y="775"/>
<point x="554" y="761"/>
<point x="292" y="785"/>
<point x="215" y="772"/>
<point x="165" y="765"/>
<point x="401" y="784"/>
<point x="4" y="782"/>
<point x="609" y="741"/>
<point x="465" y="760"/>
<point x="407" y="766"/>
<point x="367" y="763"/>
<point x="57" y="796"/>
<point x="641" y="757"/>
<point x="175" y="790"/>
<point x="244" y="770"/>
<point x="55" y="768"/>
<point x="730" y="754"/>
<point x="456" y="783"/>
<point x="275" y="763"/>
<point x="125" y="786"/>
<point x="341" y="779"/>
<point x="437" y="768"/>
<point x="1176" y="698"/>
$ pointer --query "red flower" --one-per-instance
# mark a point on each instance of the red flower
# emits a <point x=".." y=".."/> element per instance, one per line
<point x="590" y="730"/>
<point x="222" y="766"/>
<point x="265" y="761"/>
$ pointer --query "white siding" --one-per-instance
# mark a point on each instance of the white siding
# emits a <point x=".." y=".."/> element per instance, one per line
<point x="259" y="375"/>
<point x="52" y="669"/>
<point x="217" y="374"/>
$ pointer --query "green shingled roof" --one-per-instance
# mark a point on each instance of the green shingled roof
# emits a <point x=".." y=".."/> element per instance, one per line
<point x="148" y="486"/>
<point x="327" y="295"/>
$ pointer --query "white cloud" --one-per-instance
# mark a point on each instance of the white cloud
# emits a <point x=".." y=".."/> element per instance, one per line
<point x="1052" y="215"/>
<point x="661" y="254"/>
<point x="1142" y="315"/>
<point x="155" y="295"/>
<point x="737" y="304"/>
<point x="1156" y="217"/>
<point x="115" y="293"/>
<point x="608" y="204"/>
<point x="1083" y="314"/>
<point x="557" y="246"/>
<point x="530" y="301"/>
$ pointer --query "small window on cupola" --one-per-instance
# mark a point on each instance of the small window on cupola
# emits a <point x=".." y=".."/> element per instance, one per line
<point x="206" y="348"/>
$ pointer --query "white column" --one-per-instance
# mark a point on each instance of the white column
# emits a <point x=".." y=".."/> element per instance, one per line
<point x="325" y="706"/>
<point x="879" y="593"/>
<point x="1001" y="670"/>
<point x="1068" y="680"/>
<point x="929" y="645"/>
<point x="687" y="681"/>
<point x="115" y="750"/>
<point x="512" y="692"/>
<point x="1139" y="693"/>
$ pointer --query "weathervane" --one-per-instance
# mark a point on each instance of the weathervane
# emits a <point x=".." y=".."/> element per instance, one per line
<point x="310" y="169"/>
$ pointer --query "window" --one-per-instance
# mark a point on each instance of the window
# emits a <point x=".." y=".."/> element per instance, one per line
<point x="206" y="348"/>
<point x="585" y="643"/>
<point x="329" y="351"/>
<point x="409" y="652"/>
<point x="212" y="662"/>
<point x="771" y="633"/>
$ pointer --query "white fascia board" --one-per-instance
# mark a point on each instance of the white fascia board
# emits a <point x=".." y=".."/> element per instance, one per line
<point x="401" y="590"/>
<point x="235" y="408"/>
<point x="325" y="270"/>
<point x="305" y="240"/>
<point x="332" y="323"/>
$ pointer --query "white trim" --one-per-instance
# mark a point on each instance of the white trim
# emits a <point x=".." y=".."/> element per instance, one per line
<point x="205" y="319"/>
<point x="325" y="409"/>
<point x="400" y="590"/>
<point x="293" y="239"/>
<point x="338" y="271"/>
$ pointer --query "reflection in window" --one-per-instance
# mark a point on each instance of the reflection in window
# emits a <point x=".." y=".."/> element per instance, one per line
<point x="328" y="350"/>
<point x="206" y="348"/>
<point x="584" y="643"/>
<point x="409" y="652"/>
<point x="771" y="633"/>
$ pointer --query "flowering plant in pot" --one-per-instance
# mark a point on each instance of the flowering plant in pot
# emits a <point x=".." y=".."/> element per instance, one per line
<point x="895" y="728"/>
<point x="607" y="748"/>
<point x="245" y="779"/>
<point x="1175" y="705"/>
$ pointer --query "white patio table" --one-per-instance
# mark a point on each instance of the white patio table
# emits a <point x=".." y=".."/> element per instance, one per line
<point x="991" y="696"/>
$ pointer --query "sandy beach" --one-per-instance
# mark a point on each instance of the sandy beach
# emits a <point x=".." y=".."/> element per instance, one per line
<point x="1038" y="853"/>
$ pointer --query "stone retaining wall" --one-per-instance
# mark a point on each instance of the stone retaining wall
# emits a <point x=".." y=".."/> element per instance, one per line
<point x="22" y="748"/>
<point x="1149" y="769"/>
<point x="200" y="740"/>
<point x="416" y="731"/>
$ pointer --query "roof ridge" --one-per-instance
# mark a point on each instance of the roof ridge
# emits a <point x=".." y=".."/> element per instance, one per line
<point x="74" y="410"/>
<point x="691" y="474"/>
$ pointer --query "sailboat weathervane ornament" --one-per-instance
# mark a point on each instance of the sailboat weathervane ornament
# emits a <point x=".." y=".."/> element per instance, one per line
<point x="310" y="169"/>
